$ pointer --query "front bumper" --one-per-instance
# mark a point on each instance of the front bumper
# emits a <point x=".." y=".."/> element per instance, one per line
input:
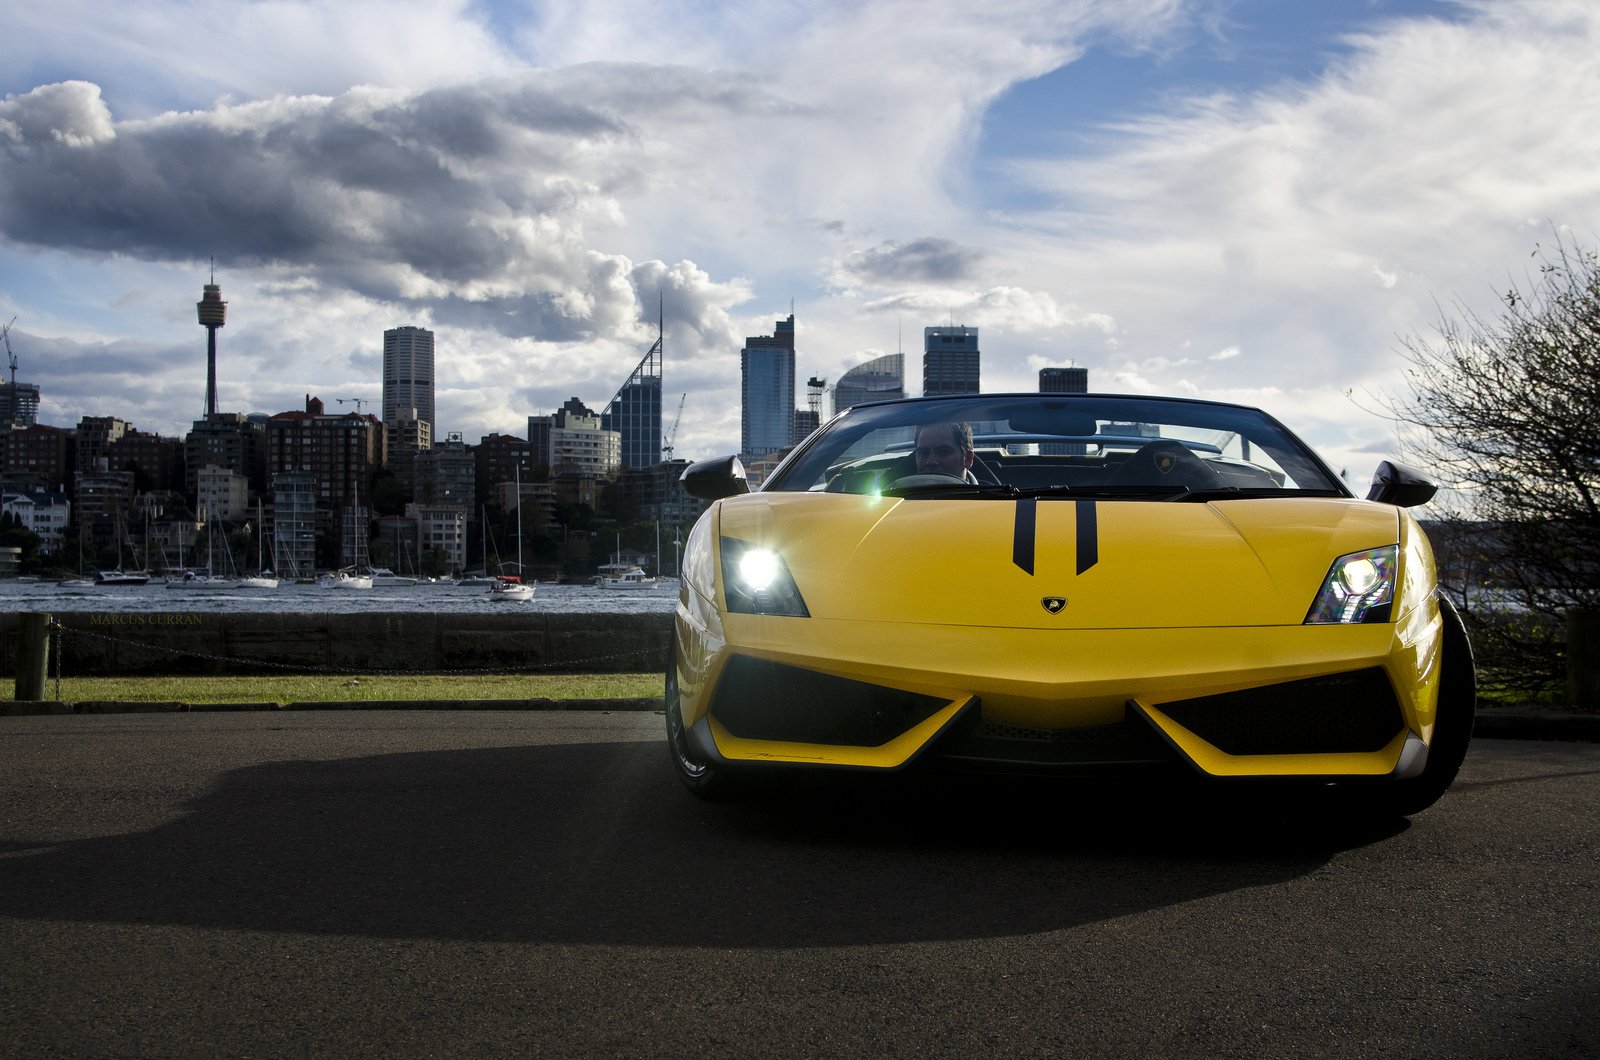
<point x="1256" y="701"/>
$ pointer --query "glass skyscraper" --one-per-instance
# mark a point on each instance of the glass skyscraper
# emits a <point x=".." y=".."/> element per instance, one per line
<point x="879" y="379"/>
<point x="949" y="361"/>
<point x="766" y="366"/>
<point x="408" y="375"/>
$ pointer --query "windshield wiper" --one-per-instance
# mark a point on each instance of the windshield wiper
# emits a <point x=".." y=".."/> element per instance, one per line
<point x="1233" y="493"/>
<point x="953" y="489"/>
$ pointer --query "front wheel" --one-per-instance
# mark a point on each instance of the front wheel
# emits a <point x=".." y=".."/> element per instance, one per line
<point x="1458" y="698"/>
<point x="705" y="780"/>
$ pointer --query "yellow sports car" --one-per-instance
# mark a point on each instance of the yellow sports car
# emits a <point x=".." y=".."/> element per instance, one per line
<point x="1069" y="583"/>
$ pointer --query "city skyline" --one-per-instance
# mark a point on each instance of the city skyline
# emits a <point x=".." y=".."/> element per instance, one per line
<point x="1236" y="199"/>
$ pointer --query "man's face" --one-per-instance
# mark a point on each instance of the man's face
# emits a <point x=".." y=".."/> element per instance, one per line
<point x="939" y="453"/>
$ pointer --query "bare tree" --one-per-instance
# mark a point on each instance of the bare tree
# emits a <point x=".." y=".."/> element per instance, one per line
<point x="1507" y="412"/>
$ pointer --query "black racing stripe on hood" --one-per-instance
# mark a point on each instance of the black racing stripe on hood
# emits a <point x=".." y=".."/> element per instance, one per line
<point x="1023" y="534"/>
<point x="1088" y="536"/>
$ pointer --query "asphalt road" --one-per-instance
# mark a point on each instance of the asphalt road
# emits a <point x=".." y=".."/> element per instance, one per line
<point x="492" y="884"/>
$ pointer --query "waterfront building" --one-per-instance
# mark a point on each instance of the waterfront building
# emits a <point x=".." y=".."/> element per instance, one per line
<point x="657" y="494"/>
<point x="103" y="501"/>
<point x="879" y="379"/>
<point x="443" y="528"/>
<point x="447" y="476"/>
<point x="221" y="495"/>
<point x="635" y="411"/>
<point x="573" y="440"/>
<point x="950" y="360"/>
<point x="499" y="459"/>
<point x="19" y="405"/>
<point x="295" y="519"/>
<point x="38" y="458"/>
<point x="341" y="452"/>
<point x="766" y="374"/>
<point x="227" y="439"/>
<point x="403" y="440"/>
<point x="42" y="513"/>
<point x="93" y="440"/>
<point x="408" y="374"/>
<point x="157" y="463"/>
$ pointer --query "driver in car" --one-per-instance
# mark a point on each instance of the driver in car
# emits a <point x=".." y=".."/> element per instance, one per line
<point x="945" y="449"/>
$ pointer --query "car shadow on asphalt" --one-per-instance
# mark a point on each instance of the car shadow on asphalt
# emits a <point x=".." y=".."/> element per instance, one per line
<point x="597" y="844"/>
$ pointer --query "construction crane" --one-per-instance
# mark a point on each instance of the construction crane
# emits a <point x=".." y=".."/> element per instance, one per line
<point x="666" y="446"/>
<point x="357" y="402"/>
<point x="5" y="333"/>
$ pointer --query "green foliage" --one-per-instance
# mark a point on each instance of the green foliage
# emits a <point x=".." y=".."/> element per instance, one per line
<point x="343" y="687"/>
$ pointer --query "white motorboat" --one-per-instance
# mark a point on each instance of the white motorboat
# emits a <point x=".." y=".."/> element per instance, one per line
<point x="122" y="577"/>
<point x="201" y="580"/>
<point x="383" y="576"/>
<point x="632" y="578"/>
<point x="345" y="579"/>
<point x="265" y="580"/>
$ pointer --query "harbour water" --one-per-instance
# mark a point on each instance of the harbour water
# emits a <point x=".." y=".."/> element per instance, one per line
<point x="49" y="597"/>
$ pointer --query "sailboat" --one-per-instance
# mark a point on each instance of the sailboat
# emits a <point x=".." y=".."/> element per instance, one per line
<point x="211" y="579"/>
<point x="483" y="577"/>
<point x="357" y="576"/>
<point x="118" y="576"/>
<point x="261" y="579"/>
<point x="510" y="587"/>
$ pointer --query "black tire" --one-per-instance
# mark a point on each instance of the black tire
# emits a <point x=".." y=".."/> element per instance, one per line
<point x="703" y="779"/>
<point x="1458" y="698"/>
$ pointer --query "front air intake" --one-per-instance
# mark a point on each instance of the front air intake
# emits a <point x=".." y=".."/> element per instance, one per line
<point x="1339" y="714"/>
<point x="760" y="700"/>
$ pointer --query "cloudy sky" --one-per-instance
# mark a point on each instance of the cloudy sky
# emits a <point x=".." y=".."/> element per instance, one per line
<point x="1250" y="200"/>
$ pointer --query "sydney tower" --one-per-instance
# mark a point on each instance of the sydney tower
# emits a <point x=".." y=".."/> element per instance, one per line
<point x="213" y="314"/>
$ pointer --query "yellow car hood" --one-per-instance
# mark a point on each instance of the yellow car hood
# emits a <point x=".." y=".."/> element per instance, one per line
<point x="1058" y="564"/>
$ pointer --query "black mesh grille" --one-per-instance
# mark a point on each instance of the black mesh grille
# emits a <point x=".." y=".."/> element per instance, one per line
<point x="760" y="700"/>
<point x="1337" y="714"/>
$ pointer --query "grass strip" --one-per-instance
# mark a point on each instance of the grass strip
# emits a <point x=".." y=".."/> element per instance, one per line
<point x="346" y="687"/>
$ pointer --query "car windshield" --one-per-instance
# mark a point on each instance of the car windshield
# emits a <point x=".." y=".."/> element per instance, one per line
<point x="1133" y="448"/>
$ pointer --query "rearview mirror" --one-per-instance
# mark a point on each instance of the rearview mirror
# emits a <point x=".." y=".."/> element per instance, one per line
<point x="1402" y="486"/>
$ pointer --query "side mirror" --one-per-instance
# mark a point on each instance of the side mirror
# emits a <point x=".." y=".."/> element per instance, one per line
<point x="1401" y="486"/>
<point x="714" y="479"/>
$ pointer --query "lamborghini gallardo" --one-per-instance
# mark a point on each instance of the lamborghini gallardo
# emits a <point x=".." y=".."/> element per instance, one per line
<point x="1072" y="584"/>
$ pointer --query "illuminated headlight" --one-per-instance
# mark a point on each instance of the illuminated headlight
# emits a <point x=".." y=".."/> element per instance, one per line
<point x="756" y="581"/>
<point x="1359" y="588"/>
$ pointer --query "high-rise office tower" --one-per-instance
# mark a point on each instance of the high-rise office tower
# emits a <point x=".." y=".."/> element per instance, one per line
<point x="213" y="313"/>
<point x="635" y="411"/>
<point x="766" y="366"/>
<point x="408" y="375"/>
<point x="879" y="379"/>
<point x="1071" y="380"/>
<point x="949" y="360"/>
<point x="19" y="402"/>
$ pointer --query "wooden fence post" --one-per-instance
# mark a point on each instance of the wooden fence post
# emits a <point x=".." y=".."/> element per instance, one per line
<point x="33" y="652"/>
<point x="1583" y="658"/>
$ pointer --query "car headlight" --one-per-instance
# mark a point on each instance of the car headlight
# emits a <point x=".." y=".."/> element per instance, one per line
<point x="757" y="582"/>
<point x="1359" y="588"/>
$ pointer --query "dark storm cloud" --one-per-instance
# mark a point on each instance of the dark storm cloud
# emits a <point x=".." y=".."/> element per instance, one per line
<point x="925" y="260"/>
<point x="469" y="199"/>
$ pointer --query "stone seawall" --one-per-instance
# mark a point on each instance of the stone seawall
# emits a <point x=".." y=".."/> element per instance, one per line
<point x="113" y="644"/>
